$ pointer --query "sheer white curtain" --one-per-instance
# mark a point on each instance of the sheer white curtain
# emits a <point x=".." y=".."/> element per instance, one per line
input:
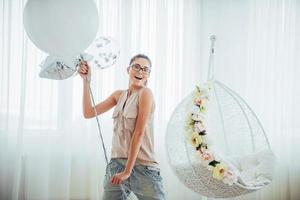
<point x="49" y="151"/>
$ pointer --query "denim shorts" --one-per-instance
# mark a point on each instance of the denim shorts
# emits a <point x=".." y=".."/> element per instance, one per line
<point x="145" y="182"/>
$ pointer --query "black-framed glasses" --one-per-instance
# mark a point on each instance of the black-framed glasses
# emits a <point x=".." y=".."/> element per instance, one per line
<point x="138" y="67"/>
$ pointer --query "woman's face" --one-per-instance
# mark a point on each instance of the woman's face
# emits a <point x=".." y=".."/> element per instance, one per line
<point x="139" y="71"/>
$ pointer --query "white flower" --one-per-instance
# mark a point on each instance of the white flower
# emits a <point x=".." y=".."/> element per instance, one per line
<point x="208" y="85"/>
<point x="197" y="92"/>
<point x="201" y="92"/>
<point x="197" y="117"/>
<point x="199" y="127"/>
<point x="203" y="147"/>
<point x="204" y="94"/>
<point x="208" y="141"/>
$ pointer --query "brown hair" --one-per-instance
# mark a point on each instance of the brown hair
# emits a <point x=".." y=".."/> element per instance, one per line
<point x="140" y="56"/>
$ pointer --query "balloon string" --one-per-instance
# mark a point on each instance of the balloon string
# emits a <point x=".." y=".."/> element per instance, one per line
<point x="96" y="114"/>
<point x="102" y="141"/>
<point x="99" y="128"/>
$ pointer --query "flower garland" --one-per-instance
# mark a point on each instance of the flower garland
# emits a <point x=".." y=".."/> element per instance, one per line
<point x="196" y="133"/>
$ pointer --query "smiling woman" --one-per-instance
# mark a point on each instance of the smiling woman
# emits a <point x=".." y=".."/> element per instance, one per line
<point x="133" y="160"/>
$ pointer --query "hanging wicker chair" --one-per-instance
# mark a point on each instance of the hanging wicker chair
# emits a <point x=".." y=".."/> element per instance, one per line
<point x="236" y="138"/>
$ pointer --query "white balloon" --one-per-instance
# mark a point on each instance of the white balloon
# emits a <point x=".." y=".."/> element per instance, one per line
<point x="105" y="50"/>
<point x="61" y="27"/>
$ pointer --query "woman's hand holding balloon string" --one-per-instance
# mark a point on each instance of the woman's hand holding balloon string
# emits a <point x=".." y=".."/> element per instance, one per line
<point x="85" y="71"/>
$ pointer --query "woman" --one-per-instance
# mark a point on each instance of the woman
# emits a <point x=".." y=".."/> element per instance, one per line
<point x="133" y="161"/>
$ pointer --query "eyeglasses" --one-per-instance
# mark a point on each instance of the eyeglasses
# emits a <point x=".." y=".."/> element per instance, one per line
<point x="138" y="67"/>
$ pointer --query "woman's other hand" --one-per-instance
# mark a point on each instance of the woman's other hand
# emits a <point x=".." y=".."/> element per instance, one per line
<point x="119" y="178"/>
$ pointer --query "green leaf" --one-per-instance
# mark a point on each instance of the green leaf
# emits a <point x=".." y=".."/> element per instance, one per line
<point x="214" y="163"/>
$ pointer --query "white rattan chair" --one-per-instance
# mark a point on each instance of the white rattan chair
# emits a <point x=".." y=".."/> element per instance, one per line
<point x="237" y="137"/>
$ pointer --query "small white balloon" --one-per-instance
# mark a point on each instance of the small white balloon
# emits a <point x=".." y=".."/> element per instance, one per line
<point x="106" y="51"/>
<point x="61" y="28"/>
<point x="58" y="68"/>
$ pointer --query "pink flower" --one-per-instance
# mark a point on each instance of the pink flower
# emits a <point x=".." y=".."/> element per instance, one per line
<point x="200" y="101"/>
<point x="198" y="127"/>
<point x="229" y="177"/>
<point x="206" y="157"/>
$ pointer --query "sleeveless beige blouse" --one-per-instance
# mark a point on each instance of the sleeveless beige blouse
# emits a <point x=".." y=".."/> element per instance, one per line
<point x="124" y="120"/>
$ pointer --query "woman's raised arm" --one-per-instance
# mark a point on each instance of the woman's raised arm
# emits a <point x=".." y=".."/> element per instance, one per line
<point x="88" y="109"/>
